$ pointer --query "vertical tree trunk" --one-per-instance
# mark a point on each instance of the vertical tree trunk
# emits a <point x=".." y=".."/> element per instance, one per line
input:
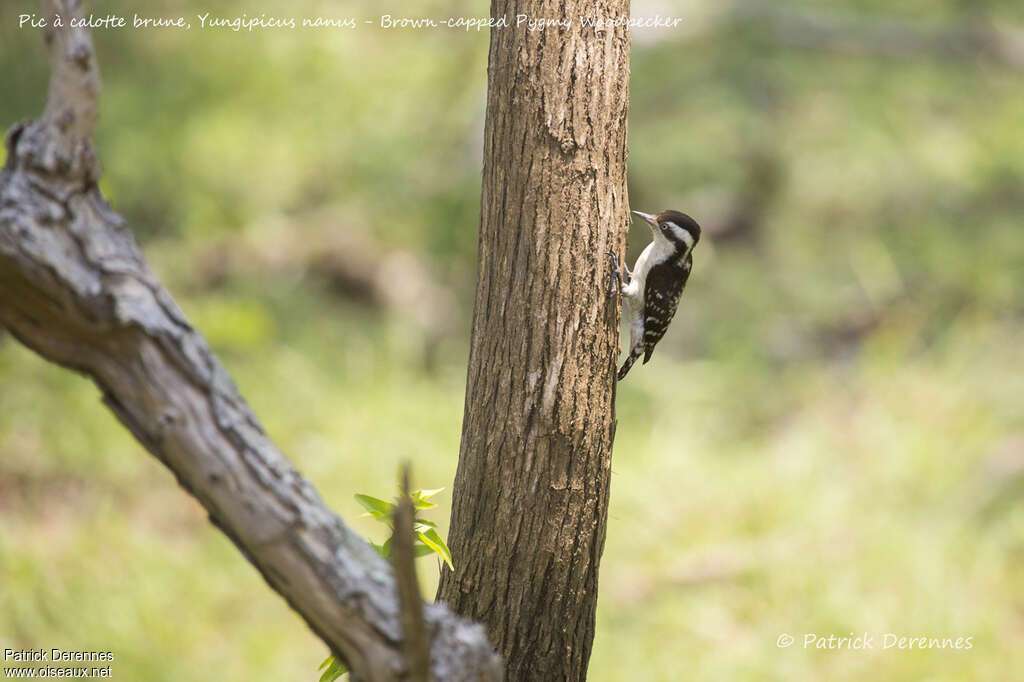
<point x="531" y="492"/>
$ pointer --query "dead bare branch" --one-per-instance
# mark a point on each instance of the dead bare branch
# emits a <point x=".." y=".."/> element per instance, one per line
<point x="75" y="288"/>
<point x="403" y="558"/>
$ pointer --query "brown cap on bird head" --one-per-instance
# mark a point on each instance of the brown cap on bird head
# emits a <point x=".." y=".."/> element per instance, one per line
<point x="681" y="219"/>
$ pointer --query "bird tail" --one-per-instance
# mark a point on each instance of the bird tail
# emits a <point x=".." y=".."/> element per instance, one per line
<point x="634" y="355"/>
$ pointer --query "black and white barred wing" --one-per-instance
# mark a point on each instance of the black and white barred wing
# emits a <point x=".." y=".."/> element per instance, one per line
<point x="662" y="290"/>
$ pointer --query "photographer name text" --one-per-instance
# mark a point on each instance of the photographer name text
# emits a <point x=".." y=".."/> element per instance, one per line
<point x="864" y="640"/>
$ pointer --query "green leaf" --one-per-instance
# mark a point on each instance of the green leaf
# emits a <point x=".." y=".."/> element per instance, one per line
<point x="420" y="549"/>
<point x="334" y="669"/>
<point x="429" y="542"/>
<point x="432" y="540"/>
<point x="421" y="498"/>
<point x="426" y="493"/>
<point x="377" y="508"/>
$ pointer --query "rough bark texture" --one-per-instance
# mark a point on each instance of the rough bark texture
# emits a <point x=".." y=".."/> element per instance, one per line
<point x="75" y="288"/>
<point x="531" y="492"/>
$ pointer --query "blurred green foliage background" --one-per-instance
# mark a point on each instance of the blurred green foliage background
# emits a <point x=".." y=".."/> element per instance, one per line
<point x="830" y="439"/>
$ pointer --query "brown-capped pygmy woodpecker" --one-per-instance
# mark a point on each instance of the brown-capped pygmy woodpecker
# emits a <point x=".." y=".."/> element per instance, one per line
<point x="651" y="292"/>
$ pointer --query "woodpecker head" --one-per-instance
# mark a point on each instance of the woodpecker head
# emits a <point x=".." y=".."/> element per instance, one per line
<point x="678" y="228"/>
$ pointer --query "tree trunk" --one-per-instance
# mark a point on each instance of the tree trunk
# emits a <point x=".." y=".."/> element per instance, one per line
<point x="531" y="493"/>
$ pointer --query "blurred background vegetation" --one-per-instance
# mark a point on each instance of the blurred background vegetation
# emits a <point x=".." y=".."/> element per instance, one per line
<point x="830" y="439"/>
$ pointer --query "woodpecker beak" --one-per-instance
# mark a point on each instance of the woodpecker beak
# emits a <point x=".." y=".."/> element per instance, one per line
<point x="649" y="218"/>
